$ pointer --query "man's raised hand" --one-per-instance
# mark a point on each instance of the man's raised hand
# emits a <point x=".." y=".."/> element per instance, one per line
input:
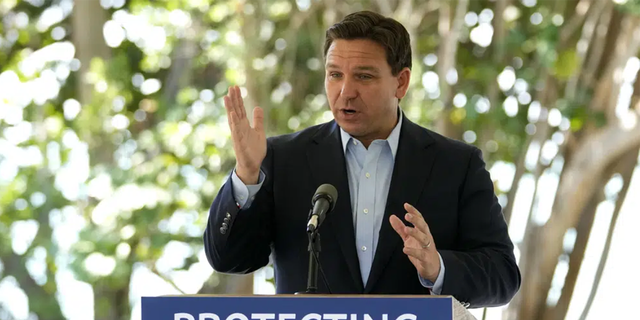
<point x="249" y="143"/>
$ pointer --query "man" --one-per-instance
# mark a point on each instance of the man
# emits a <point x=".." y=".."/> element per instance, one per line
<point x="416" y="212"/>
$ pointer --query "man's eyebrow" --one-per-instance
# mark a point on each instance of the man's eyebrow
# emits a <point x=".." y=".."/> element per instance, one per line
<point x="367" y="68"/>
<point x="332" y="66"/>
<point x="359" y="68"/>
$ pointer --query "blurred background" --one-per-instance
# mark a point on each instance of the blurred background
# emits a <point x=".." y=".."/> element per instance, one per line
<point x="114" y="139"/>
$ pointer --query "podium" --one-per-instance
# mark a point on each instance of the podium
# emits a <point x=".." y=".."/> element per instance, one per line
<point x="300" y="307"/>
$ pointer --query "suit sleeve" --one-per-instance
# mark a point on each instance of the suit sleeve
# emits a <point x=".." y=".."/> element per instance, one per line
<point x="242" y="193"/>
<point x="482" y="272"/>
<point x="238" y="238"/>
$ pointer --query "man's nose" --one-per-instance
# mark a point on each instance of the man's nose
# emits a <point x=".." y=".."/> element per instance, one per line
<point x="349" y="90"/>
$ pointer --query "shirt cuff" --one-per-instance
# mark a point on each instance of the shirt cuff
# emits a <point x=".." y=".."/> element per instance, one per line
<point x="244" y="194"/>
<point x="436" y="288"/>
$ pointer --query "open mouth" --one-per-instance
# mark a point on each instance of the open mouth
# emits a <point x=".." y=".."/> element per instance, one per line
<point x="348" y="111"/>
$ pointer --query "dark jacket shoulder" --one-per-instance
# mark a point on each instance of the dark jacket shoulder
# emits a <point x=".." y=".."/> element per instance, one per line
<point x="301" y="137"/>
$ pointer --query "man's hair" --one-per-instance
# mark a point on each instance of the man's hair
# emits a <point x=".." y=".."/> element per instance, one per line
<point x="387" y="32"/>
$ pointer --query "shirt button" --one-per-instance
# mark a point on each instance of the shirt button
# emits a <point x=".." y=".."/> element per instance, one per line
<point x="363" y="248"/>
<point x="366" y="210"/>
<point x="355" y="142"/>
<point x="367" y="175"/>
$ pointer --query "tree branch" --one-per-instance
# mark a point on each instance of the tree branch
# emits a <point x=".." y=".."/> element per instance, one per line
<point x="574" y="192"/>
<point x="627" y="46"/>
<point x="153" y="269"/>
<point x="583" y="229"/>
<point x="627" y="166"/>
<point x="449" y="33"/>
<point x="599" y="44"/>
<point x="500" y="32"/>
<point x="587" y="37"/>
<point x="576" y="20"/>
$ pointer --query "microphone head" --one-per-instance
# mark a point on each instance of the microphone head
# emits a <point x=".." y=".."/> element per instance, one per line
<point x="328" y="192"/>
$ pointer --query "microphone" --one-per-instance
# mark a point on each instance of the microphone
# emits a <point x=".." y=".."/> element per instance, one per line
<point x="323" y="201"/>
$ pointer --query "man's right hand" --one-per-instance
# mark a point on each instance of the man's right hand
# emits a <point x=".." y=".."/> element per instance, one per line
<point x="249" y="143"/>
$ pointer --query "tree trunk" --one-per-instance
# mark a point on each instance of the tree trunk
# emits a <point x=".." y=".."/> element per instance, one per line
<point x="220" y="283"/>
<point x="626" y="167"/>
<point x="40" y="298"/>
<point x="111" y="300"/>
<point x="528" y="248"/>
<point x="449" y="29"/>
<point x="594" y="153"/>
<point x="520" y="169"/>
<point x="88" y="18"/>
<point x="595" y="149"/>
<point x="583" y="229"/>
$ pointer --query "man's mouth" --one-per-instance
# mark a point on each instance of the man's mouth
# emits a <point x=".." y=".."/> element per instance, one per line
<point x="349" y="111"/>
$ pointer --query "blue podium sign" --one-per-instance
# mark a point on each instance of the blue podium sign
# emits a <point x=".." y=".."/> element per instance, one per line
<point x="297" y="307"/>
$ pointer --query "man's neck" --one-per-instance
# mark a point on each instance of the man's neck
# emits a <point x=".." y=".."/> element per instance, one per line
<point x="366" y="141"/>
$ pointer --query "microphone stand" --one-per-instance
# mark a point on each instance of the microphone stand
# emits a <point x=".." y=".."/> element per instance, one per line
<point x="314" y="248"/>
<point x="314" y="252"/>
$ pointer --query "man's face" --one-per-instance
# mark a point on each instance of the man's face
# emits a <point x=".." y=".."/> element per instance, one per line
<point x="363" y="94"/>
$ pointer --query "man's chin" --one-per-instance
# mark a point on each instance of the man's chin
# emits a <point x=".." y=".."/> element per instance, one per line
<point x="353" y="130"/>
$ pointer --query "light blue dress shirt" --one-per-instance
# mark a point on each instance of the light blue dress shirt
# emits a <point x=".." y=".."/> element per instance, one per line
<point x="369" y="171"/>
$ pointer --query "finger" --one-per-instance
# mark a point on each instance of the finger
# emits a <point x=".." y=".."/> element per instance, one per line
<point x="415" y="217"/>
<point x="238" y="103"/>
<point x="233" y="99"/>
<point x="258" y="119"/>
<point x="420" y="237"/>
<point x="230" y="103"/>
<point x="237" y="134"/>
<point x="227" y="104"/>
<point x="398" y="226"/>
<point x="230" y="112"/>
<point x="241" y="102"/>
<point x="232" y="120"/>
<point x="418" y="254"/>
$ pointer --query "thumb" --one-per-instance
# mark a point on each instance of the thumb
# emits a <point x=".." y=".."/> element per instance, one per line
<point x="258" y="119"/>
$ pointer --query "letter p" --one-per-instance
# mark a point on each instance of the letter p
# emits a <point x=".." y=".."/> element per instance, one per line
<point x="182" y="316"/>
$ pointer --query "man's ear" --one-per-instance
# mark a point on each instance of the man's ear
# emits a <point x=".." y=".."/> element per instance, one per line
<point x="404" y="77"/>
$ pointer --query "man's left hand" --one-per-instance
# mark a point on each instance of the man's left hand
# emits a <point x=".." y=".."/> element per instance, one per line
<point x="418" y="243"/>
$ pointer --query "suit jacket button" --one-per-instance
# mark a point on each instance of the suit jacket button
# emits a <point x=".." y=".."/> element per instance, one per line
<point x="225" y="225"/>
<point x="226" y="220"/>
<point x="223" y="230"/>
<point x="228" y="215"/>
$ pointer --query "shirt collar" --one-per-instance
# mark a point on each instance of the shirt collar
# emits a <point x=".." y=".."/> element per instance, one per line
<point x="393" y="138"/>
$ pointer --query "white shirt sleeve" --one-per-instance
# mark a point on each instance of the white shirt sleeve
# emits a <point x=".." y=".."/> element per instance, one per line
<point x="244" y="194"/>
<point x="436" y="288"/>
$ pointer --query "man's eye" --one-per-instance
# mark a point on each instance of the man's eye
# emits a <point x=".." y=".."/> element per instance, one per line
<point x="364" y="76"/>
<point x="335" y="75"/>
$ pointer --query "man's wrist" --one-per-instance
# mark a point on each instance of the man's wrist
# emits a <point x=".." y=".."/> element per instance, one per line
<point x="434" y="276"/>
<point x="248" y="177"/>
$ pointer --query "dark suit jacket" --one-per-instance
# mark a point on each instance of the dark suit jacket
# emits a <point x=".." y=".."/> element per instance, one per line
<point x="444" y="179"/>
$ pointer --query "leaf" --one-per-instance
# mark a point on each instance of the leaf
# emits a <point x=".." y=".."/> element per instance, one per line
<point x="566" y="64"/>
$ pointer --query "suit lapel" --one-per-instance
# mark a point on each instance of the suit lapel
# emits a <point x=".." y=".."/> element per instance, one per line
<point x="327" y="162"/>
<point x="411" y="170"/>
